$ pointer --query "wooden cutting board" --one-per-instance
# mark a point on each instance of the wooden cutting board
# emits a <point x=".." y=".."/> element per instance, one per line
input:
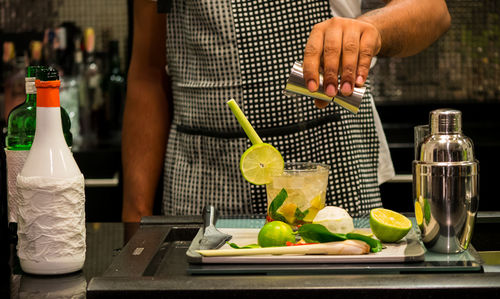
<point x="407" y="250"/>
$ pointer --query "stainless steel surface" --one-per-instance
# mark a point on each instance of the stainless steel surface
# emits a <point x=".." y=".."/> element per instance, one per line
<point x="447" y="196"/>
<point x="297" y="85"/>
<point x="445" y="121"/>
<point x="446" y="142"/>
<point x="446" y="184"/>
<point x="212" y="237"/>
<point x="419" y="134"/>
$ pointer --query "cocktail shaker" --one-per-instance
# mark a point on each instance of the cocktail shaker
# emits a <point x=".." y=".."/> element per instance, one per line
<point x="446" y="184"/>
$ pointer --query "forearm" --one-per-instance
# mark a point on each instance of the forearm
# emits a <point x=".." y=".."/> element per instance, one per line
<point x="146" y="119"/>
<point x="145" y="130"/>
<point x="407" y="27"/>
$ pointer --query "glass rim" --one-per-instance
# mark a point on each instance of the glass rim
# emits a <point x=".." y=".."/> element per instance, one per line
<point x="305" y="167"/>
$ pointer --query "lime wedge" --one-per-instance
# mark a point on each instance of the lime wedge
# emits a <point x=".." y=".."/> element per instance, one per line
<point x="260" y="163"/>
<point x="419" y="215"/>
<point x="389" y="226"/>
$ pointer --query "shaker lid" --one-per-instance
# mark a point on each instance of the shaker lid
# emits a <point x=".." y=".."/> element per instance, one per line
<point x="446" y="142"/>
<point x="445" y="121"/>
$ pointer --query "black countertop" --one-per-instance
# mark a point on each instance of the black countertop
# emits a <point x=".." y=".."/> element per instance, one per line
<point x="104" y="242"/>
<point x="101" y="279"/>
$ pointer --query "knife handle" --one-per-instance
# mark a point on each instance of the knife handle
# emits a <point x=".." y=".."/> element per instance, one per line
<point x="210" y="215"/>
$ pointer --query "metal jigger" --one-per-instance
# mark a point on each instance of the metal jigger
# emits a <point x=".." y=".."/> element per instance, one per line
<point x="297" y="85"/>
<point x="446" y="184"/>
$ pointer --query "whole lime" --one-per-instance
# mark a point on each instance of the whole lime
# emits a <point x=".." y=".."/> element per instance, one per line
<point x="275" y="233"/>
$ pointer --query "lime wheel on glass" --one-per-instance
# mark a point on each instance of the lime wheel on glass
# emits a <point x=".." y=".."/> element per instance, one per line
<point x="260" y="163"/>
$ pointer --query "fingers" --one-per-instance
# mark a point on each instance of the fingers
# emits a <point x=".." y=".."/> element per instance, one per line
<point x="369" y="47"/>
<point x="332" y="49"/>
<point x="320" y="103"/>
<point x="350" y="50"/>
<point x="312" y="57"/>
<point x="341" y="46"/>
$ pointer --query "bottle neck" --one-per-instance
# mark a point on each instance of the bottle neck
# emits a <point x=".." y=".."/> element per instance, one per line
<point x="48" y="94"/>
<point x="49" y="155"/>
<point x="48" y="112"/>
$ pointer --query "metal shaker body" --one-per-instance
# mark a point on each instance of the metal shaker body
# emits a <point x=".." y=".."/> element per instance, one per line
<point x="447" y="195"/>
<point x="446" y="185"/>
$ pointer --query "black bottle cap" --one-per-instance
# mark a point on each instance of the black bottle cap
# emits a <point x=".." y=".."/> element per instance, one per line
<point x="47" y="74"/>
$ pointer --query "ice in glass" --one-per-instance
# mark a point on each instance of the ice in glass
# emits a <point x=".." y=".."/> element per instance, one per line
<point x="305" y="184"/>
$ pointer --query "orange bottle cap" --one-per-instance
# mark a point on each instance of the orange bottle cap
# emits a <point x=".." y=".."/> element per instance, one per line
<point x="47" y="93"/>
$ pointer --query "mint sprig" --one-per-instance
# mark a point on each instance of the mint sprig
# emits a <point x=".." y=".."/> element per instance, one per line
<point x="276" y="204"/>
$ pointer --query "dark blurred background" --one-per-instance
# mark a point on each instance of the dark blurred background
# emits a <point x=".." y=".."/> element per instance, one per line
<point x="89" y="42"/>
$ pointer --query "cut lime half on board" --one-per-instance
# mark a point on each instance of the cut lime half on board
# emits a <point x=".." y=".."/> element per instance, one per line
<point x="260" y="163"/>
<point x="389" y="226"/>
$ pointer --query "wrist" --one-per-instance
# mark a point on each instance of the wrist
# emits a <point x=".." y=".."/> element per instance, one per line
<point x="135" y="208"/>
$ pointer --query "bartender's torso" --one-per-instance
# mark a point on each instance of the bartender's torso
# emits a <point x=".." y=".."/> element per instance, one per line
<point x="218" y="50"/>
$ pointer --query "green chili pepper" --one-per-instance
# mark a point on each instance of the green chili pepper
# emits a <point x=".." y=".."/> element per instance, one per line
<point x="317" y="233"/>
<point x="233" y="245"/>
<point x="375" y="245"/>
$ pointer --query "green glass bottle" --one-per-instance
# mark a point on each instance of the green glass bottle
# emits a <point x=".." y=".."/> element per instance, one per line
<point x="22" y="119"/>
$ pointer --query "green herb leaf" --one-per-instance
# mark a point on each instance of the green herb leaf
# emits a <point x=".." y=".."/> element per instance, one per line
<point x="276" y="204"/>
<point x="317" y="233"/>
<point x="299" y="215"/>
<point x="375" y="245"/>
<point x="250" y="246"/>
<point x="279" y="217"/>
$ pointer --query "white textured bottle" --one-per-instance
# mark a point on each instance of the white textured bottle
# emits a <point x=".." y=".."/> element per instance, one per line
<point x="51" y="222"/>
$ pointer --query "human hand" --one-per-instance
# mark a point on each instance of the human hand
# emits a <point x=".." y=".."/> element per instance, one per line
<point x="344" y="46"/>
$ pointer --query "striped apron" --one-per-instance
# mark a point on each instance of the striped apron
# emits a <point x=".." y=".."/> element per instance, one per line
<point x="218" y="50"/>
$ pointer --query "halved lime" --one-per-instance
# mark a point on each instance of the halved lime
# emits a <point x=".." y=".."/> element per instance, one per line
<point x="389" y="226"/>
<point x="260" y="163"/>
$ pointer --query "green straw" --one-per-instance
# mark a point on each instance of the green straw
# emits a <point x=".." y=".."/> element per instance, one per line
<point x="244" y="123"/>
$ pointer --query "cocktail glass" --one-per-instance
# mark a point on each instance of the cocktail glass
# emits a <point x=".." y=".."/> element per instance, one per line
<point x="305" y="184"/>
